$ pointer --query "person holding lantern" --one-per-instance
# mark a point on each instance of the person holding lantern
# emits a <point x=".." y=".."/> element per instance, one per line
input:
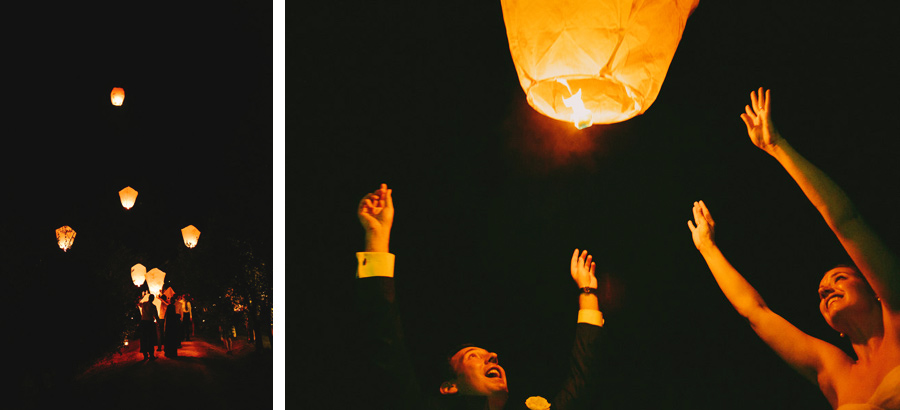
<point x="862" y="302"/>
<point x="475" y="379"/>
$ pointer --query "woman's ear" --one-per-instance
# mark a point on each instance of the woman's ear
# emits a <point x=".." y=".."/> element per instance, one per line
<point x="448" y="388"/>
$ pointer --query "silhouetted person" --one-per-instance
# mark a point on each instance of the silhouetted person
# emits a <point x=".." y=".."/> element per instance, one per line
<point x="172" y="333"/>
<point x="147" y="328"/>
<point x="862" y="302"/>
<point x="476" y="380"/>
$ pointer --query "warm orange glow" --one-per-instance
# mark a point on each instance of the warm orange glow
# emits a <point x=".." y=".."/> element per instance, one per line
<point x="191" y="236"/>
<point x="155" y="279"/>
<point x="138" y="274"/>
<point x="117" y="96"/>
<point x="65" y="236"/>
<point x="615" y="53"/>
<point x="128" y="195"/>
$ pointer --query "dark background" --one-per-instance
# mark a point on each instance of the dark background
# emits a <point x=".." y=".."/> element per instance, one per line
<point x="194" y="138"/>
<point x="491" y="197"/>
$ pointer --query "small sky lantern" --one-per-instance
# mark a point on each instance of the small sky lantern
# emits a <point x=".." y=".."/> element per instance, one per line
<point x="155" y="279"/>
<point x="593" y="62"/>
<point x="117" y="96"/>
<point x="138" y="274"/>
<point x="128" y="195"/>
<point x="65" y="236"/>
<point x="191" y="235"/>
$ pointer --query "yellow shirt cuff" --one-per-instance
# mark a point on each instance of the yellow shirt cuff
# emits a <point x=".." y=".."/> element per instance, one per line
<point x="371" y="264"/>
<point x="591" y="317"/>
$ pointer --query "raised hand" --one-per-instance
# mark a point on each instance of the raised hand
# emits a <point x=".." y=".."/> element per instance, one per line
<point x="703" y="232"/>
<point x="758" y="120"/>
<point x="376" y="214"/>
<point x="583" y="270"/>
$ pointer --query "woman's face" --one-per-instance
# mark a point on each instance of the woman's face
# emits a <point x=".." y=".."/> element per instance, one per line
<point x="843" y="292"/>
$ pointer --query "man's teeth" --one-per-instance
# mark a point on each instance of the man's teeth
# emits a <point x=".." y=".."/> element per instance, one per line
<point x="493" y="373"/>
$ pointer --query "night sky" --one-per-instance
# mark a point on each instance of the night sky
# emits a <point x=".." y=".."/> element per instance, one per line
<point x="194" y="138"/>
<point x="492" y="198"/>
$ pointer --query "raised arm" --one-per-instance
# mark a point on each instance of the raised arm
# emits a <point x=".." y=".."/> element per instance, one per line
<point x="580" y="385"/>
<point x="875" y="260"/>
<point x="804" y="353"/>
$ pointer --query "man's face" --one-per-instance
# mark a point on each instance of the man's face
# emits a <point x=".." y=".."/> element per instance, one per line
<point x="478" y="373"/>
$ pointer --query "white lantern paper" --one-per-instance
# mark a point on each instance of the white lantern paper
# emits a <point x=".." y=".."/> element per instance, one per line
<point x="138" y="274"/>
<point x="191" y="235"/>
<point x="593" y="62"/>
<point x="128" y="195"/>
<point x="65" y="237"/>
<point x="155" y="279"/>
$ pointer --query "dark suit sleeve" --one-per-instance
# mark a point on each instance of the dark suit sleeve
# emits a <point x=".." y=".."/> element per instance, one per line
<point x="394" y="374"/>
<point x="578" y="387"/>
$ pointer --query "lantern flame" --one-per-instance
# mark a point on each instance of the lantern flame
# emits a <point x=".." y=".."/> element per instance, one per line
<point x="581" y="117"/>
<point x="65" y="236"/>
<point x="117" y="96"/>
<point x="128" y="195"/>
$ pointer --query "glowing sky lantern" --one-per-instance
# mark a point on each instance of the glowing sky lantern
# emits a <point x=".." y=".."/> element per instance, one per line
<point x="138" y="274"/>
<point x="128" y="195"/>
<point x="155" y="279"/>
<point x="191" y="235"/>
<point x="117" y="96"/>
<point x="593" y="62"/>
<point x="65" y="236"/>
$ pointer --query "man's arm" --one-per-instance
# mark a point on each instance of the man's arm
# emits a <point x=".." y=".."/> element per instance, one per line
<point x="875" y="260"/>
<point x="377" y="307"/>
<point x="579" y="385"/>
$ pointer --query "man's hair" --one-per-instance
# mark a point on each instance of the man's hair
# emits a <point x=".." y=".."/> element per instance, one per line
<point x="450" y="371"/>
<point x="150" y="298"/>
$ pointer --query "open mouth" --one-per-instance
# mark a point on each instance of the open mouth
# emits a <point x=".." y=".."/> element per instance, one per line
<point x="831" y="300"/>
<point x="493" y="373"/>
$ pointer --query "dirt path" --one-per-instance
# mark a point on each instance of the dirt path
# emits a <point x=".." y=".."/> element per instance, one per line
<point x="202" y="375"/>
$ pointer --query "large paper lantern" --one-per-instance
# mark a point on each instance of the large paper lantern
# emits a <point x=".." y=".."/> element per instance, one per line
<point x="191" y="235"/>
<point x="155" y="279"/>
<point x="117" y="96"/>
<point x="65" y="236"/>
<point x="593" y="62"/>
<point x="138" y="274"/>
<point x="128" y="195"/>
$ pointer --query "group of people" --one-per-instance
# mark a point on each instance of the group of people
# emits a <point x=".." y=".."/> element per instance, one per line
<point x="861" y="301"/>
<point x="166" y="327"/>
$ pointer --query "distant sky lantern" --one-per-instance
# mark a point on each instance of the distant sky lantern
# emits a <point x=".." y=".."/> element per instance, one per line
<point x="65" y="236"/>
<point x="128" y="195"/>
<point x="593" y="62"/>
<point x="138" y="274"/>
<point x="155" y="279"/>
<point x="117" y="96"/>
<point x="191" y="235"/>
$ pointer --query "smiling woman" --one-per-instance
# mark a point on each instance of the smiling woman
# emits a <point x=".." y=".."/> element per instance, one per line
<point x="862" y="304"/>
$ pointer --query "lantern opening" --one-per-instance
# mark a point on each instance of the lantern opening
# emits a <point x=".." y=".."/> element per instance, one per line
<point x="581" y="117"/>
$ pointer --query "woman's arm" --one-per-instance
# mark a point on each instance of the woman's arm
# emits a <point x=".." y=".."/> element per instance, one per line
<point x="804" y="353"/>
<point x="873" y="258"/>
